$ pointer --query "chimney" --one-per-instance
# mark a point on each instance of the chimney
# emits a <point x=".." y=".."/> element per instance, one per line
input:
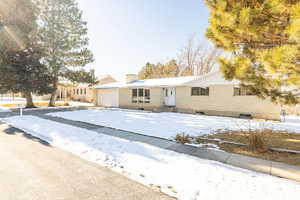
<point x="131" y="77"/>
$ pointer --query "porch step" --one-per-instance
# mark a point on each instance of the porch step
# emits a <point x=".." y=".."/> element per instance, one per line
<point x="166" y="109"/>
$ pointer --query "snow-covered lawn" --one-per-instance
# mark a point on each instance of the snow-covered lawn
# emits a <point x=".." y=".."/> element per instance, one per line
<point x="3" y="109"/>
<point x="167" y="125"/>
<point x="176" y="174"/>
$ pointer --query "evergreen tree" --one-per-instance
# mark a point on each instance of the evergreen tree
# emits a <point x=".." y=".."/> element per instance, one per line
<point x="64" y="37"/>
<point x="149" y="71"/>
<point x="22" y="71"/>
<point x="82" y="76"/>
<point x="264" y="39"/>
<point x="170" y="69"/>
<point x="20" y="54"/>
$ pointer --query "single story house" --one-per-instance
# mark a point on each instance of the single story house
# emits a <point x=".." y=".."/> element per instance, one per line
<point x="209" y="94"/>
<point x="68" y="91"/>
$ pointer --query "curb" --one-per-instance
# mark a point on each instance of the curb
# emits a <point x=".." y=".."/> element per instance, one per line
<point x="256" y="164"/>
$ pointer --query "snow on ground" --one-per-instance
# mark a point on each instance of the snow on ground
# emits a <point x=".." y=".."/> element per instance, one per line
<point x="179" y="175"/>
<point x="77" y="103"/>
<point x="167" y="125"/>
<point x="3" y="109"/>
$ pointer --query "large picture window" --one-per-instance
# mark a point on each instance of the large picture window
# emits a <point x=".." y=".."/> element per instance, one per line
<point x="140" y="95"/>
<point x="198" y="91"/>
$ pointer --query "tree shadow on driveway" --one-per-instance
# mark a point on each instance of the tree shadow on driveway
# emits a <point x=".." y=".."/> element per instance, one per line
<point x="15" y="131"/>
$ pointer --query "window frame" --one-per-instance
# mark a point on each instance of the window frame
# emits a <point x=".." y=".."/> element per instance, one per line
<point x="242" y="91"/>
<point x="147" y="95"/>
<point x="200" y="91"/>
<point x="141" y="95"/>
<point x="134" y="95"/>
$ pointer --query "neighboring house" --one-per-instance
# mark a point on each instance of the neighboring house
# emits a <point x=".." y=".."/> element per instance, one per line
<point x="105" y="79"/>
<point x="209" y="94"/>
<point x="10" y="95"/>
<point x="68" y="91"/>
<point x="294" y="109"/>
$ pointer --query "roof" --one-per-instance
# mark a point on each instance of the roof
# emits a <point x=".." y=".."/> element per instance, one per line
<point x="160" y="82"/>
<point x="68" y="83"/>
<point x="169" y="82"/>
<point x="100" y="77"/>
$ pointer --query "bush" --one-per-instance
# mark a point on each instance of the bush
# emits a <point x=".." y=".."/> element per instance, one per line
<point x="257" y="141"/>
<point x="183" y="138"/>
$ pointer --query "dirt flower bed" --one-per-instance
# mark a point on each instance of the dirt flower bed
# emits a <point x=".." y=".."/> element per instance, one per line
<point x="275" y="139"/>
<point x="272" y="139"/>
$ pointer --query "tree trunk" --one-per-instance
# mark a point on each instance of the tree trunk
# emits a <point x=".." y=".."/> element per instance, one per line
<point x="29" y="101"/>
<point x="53" y="95"/>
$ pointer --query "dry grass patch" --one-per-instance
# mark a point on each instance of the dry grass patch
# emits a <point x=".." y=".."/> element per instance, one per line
<point x="274" y="139"/>
<point x="37" y="104"/>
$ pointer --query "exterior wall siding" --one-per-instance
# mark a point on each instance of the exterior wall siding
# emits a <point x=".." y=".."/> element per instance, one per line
<point x="222" y="102"/>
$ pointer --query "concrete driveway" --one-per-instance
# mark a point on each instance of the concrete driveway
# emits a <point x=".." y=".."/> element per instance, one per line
<point x="30" y="169"/>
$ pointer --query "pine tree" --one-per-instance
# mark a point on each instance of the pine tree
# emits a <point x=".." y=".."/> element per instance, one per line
<point x="22" y="71"/>
<point x="147" y="71"/>
<point x="82" y="76"/>
<point x="170" y="69"/>
<point x="64" y="36"/>
<point x="264" y="39"/>
<point x="21" y="68"/>
<point x="159" y="70"/>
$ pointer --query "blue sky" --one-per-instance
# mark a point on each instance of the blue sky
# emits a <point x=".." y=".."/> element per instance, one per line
<point x="126" y="34"/>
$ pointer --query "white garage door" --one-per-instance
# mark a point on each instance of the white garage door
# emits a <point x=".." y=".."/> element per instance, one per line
<point x="108" y="97"/>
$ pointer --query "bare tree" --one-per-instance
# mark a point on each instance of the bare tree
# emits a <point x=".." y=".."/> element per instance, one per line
<point x="198" y="58"/>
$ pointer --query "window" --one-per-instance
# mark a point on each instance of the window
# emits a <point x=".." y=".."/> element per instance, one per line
<point x="237" y="91"/>
<point x="77" y="91"/>
<point x="242" y="91"/>
<point x="198" y="91"/>
<point x="147" y="96"/>
<point x="134" y="96"/>
<point x="140" y="96"/>
<point x="84" y="90"/>
<point x="74" y="91"/>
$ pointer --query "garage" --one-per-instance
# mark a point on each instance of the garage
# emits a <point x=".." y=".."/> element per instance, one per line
<point x="108" y="97"/>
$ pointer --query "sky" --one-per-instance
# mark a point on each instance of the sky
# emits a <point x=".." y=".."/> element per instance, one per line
<point x="126" y="34"/>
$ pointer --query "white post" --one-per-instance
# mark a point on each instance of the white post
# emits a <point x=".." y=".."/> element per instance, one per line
<point x="21" y="111"/>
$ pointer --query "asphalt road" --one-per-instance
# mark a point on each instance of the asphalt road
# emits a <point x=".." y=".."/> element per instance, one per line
<point x="30" y="169"/>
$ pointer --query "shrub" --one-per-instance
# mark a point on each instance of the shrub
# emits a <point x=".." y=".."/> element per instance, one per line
<point x="183" y="138"/>
<point x="257" y="140"/>
<point x="256" y="136"/>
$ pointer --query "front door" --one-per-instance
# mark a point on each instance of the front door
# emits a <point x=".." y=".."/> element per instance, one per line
<point x="169" y="96"/>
